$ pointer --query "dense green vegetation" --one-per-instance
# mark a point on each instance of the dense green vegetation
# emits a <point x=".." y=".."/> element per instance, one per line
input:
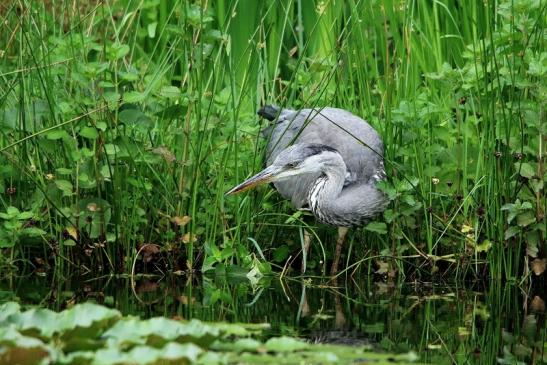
<point x="124" y="122"/>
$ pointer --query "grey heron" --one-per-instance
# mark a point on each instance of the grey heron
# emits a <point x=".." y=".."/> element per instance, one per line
<point x="326" y="159"/>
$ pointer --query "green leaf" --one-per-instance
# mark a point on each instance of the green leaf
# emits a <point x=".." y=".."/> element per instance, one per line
<point x="33" y="232"/>
<point x="511" y="231"/>
<point x="57" y="134"/>
<point x="281" y="253"/>
<point x="34" y="322"/>
<point x="133" y="97"/>
<point x="532" y="243"/>
<point x="13" y="225"/>
<point x="117" y="51"/>
<point x="89" y="132"/>
<point x="484" y="247"/>
<point x="526" y="205"/>
<point x="69" y="242"/>
<point x="6" y="241"/>
<point x="171" y="353"/>
<point x="65" y="186"/>
<point x="378" y="227"/>
<point x="244" y="344"/>
<point x="160" y="330"/>
<point x="152" y="29"/>
<point x="23" y="349"/>
<point x="285" y="344"/>
<point x="170" y="92"/>
<point x="525" y="219"/>
<point x="105" y="172"/>
<point x="525" y="169"/>
<point x="538" y="65"/>
<point x="102" y="126"/>
<point x="12" y="211"/>
<point x="136" y="119"/>
<point x="226" y="253"/>
<point x="63" y="171"/>
<point x="537" y="185"/>
<point x="25" y="215"/>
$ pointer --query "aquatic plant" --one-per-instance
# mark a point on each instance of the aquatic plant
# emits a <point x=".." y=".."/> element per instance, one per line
<point x="92" y="334"/>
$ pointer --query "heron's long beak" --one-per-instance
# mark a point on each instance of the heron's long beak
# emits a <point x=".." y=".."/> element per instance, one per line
<point x="265" y="176"/>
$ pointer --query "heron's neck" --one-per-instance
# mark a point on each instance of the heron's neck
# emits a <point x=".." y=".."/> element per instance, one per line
<point x="326" y="189"/>
<point x="333" y="204"/>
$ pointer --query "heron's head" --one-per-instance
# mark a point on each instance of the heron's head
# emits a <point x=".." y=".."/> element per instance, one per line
<point x="298" y="159"/>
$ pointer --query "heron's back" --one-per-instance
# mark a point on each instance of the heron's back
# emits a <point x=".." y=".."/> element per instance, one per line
<point x="357" y="142"/>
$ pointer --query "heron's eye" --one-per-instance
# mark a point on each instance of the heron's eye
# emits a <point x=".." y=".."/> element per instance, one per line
<point x="292" y="165"/>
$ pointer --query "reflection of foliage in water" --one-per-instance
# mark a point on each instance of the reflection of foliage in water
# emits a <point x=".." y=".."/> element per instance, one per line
<point x="475" y="325"/>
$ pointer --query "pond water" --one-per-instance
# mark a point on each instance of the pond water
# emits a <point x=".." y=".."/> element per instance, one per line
<point x="442" y="323"/>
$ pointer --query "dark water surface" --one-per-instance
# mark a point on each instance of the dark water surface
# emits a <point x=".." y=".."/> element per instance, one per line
<point x="442" y="323"/>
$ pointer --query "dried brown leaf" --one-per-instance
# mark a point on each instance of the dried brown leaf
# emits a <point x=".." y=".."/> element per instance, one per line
<point x="538" y="266"/>
<point x="537" y="304"/>
<point x="165" y="153"/>
<point x="293" y="51"/>
<point x="188" y="237"/>
<point x="383" y="267"/>
<point x="181" y="221"/>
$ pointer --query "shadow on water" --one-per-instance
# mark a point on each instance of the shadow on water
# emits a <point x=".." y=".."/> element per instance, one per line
<point x="442" y="323"/>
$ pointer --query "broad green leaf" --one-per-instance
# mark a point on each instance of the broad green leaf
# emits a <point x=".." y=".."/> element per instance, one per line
<point x="69" y="242"/>
<point x="19" y="349"/>
<point x="89" y="132"/>
<point x="485" y="246"/>
<point x="12" y="211"/>
<point x="57" y="134"/>
<point x="65" y="186"/>
<point x="152" y="29"/>
<point x="378" y="227"/>
<point x="8" y="309"/>
<point x="34" y="322"/>
<point x="170" y="92"/>
<point x="85" y="320"/>
<point x="135" y="118"/>
<point x="171" y="353"/>
<point x="25" y="215"/>
<point x="526" y="218"/>
<point x="117" y="51"/>
<point x="6" y="240"/>
<point x="525" y="169"/>
<point x="33" y="232"/>
<point x="244" y="344"/>
<point x="532" y="242"/>
<point x="285" y="344"/>
<point x="63" y="171"/>
<point x="133" y="97"/>
<point x="511" y="231"/>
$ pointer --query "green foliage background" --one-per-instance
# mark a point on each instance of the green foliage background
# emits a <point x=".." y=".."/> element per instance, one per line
<point x="124" y="122"/>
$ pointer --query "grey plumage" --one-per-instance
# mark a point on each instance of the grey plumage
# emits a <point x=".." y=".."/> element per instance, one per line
<point x="357" y="142"/>
<point x="326" y="158"/>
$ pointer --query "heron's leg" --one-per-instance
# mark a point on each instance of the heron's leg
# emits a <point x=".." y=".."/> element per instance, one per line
<point x="340" y="321"/>
<point x="306" y="240"/>
<point x="342" y="231"/>
<point x="303" y="307"/>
